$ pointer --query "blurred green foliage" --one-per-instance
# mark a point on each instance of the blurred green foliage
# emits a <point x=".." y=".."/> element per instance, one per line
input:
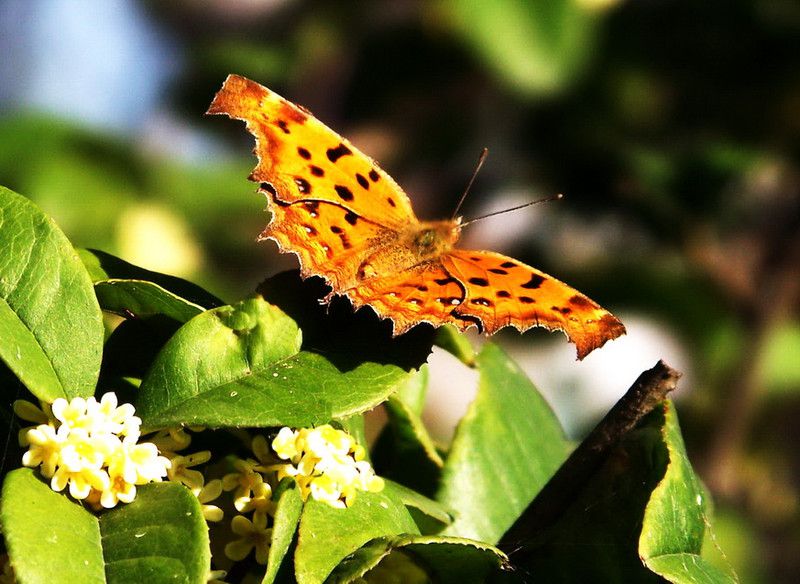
<point x="674" y="123"/>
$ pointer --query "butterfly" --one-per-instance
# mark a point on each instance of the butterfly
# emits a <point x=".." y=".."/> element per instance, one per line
<point x="349" y="222"/>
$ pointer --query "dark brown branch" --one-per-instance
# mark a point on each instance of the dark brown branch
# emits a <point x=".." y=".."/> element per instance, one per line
<point x="650" y="389"/>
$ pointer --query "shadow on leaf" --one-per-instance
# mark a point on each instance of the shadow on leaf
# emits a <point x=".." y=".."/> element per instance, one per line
<point x="345" y="337"/>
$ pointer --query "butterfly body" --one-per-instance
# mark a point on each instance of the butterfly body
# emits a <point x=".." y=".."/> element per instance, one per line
<point x="350" y="223"/>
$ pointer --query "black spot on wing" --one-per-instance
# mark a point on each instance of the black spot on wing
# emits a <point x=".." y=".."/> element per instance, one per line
<point x="344" y="193"/>
<point x="351" y="217"/>
<point x="535" y="281"/>
<point x="335" y="154"/>
<point x="362" y="180"/>
<point x="579" y="300"/>
<point x="303" y="153"/>
<point x="316" y="170"/>
<point x="445" y="281"/>
<point x="479" y="281"/>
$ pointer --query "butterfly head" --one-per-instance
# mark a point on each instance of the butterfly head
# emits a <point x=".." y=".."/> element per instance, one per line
<point x="433" y="238"/>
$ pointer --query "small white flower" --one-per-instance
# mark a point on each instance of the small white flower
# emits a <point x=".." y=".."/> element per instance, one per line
<point x="171" y="440"/>
<point x="45" y="448"/>
<point x="180" y="471"/>
<point x="211" y="491"/>
<point x="253" y="534"/>
<point x="326" y="463"/>
<point x="90" y="447"/>
<point x="242" y="482"/>
<point x="285" y="445"/>
<point x="80" y="482"/>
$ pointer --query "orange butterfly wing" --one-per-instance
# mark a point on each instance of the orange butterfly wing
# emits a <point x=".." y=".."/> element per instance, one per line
<point x="331" y="204"/>
<point x="502" y="291"/>
<point x="489" y="291"/>
<point x="341" y="214"/>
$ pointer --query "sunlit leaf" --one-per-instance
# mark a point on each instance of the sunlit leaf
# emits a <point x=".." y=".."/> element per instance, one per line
<point x="506" y="447"/>
<point x="327" y="535"/>
<point x="51" y="331"/>
<point x="242" y="366"/>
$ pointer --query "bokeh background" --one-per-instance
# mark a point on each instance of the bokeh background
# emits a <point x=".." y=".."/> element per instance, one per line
<point x="672" y="127"/>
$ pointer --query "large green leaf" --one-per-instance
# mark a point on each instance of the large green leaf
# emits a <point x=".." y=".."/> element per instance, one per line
<point x="506" y="447"/>
<point x="242" y="366"/>
<point x="51" y="330"/>
<point x="160" y="537"/>
<point x="129" y="290"/>
<point x="415" y="558"/>
<point x="50" y="538"/>
<point x="327" y="535"/>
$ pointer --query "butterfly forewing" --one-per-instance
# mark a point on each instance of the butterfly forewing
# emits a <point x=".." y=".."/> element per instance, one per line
<point x="336" y="240"/>
<point x="301" y="158"/>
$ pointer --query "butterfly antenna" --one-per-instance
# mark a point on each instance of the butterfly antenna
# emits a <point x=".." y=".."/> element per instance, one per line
<point x="557" y="197"/>
<point x="481" y="160"/>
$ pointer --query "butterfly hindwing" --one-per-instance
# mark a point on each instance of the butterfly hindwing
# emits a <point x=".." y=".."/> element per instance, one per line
<point x="424" y="293"/>
<point x="501" y="291"/>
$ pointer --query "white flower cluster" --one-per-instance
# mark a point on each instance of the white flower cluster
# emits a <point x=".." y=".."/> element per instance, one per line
<point x="326" y="463"/>
<point x="90" y="447"/>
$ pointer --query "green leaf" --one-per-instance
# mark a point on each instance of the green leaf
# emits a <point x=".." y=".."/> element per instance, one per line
<point x="51" y="328"/>
<point x="50" y="538"/>
<point x="242" y="366"/>
<point x="414" y="558"/>
<point x="643" y="509"/>
<point x="160" y="537"/>
<point x="675" y="517"/>
<point x="327" y="535"/>
<point x="412" y="392"/>
<point x="506" y="447"/>
<point x="287" y="517"/>
<point x="404" y="450"/>
<point x="535" y="47"/>
<point x="142" y="299"/>
<point x="688" y="569"/>
<point x="455" y="343"/>
<point x="427" y="513"/>
<point x="129" y="290"/>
